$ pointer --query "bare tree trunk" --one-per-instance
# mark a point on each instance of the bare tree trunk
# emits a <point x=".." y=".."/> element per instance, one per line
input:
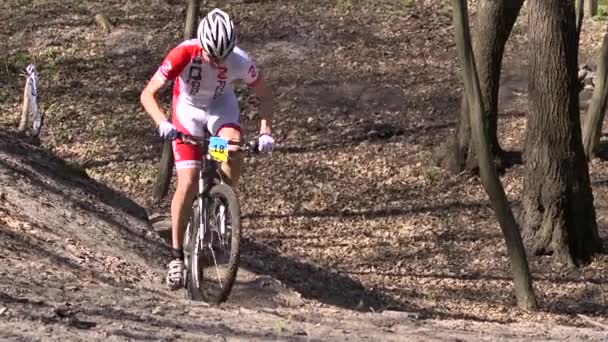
<point x="192" y="14"/>
<point x="165" y="171"/>
<point x="591" y="8"/>
<point x="524" y="291"/>
<point x="558" y="212"/>
<point x="579" y="19"/>
<point x="494" y="23"/>
<point x="597" y="109"/>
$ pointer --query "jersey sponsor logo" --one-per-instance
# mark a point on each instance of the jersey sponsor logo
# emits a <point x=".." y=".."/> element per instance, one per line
<point x="195" y="75"/>
<point x="222" y="75"/>
<point x="253" y="72"/>
<point x="165" y="68"/>
<point x="222" y="72"/>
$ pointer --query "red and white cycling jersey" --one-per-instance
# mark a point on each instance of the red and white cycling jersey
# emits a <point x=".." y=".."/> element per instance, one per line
<point x="198" y="82"/>
<point x="203" y="95"/>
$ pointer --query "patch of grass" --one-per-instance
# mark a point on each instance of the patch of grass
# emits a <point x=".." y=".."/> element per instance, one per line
<point x="279" y="327"/>
<point x="19" y="60"/>
<point x="602" y="10"/>
<point x="55" y="65"/>
<point x="344" y="4"/>
<point x="432" y="174"/>
<point x="51" y="53"/>
<point x="397" y="7"/>
<point x="407" y="3"/>
<point x="390" y="7"/>
<point x="426" y="169"/>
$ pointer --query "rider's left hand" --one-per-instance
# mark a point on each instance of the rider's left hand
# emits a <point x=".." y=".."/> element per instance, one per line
<point x="265" y="143"/>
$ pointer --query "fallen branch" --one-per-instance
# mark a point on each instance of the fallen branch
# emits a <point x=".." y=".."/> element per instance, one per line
<point x="592" y="322"/>
<point x="103" y="22"/>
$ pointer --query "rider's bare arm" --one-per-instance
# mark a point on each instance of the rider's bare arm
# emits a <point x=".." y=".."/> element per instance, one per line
<point x="264" y="94"/>
<point x="149" y="101"/>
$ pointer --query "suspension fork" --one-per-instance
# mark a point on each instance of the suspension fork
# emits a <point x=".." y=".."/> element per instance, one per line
<point x="202" y="205"/>
<point x="205" y="182"/>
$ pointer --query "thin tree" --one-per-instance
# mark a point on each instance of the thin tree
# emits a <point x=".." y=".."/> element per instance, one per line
<point x="592" y="7"/>
<point x="597" y="108"/>
<point x="524" y="291"/>
<point x="165" y="169"/>
<point x="494" y="22"/>
<point x="579" y="18"/>
<point x="558" y="213"/>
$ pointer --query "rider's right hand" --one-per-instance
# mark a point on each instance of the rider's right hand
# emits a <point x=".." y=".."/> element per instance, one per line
<point x="167" y="131"/>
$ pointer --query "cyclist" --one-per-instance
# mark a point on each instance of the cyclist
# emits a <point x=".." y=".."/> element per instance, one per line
<point x="203" y="98"/>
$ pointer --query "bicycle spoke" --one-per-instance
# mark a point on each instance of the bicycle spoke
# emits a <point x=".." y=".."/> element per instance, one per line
<point x="217" y="271"/>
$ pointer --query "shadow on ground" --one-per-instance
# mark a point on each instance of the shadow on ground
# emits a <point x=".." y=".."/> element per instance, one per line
<point x="317" y="283"/>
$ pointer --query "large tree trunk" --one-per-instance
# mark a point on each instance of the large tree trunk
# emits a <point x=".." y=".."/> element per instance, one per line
<point x="489" y="176"/>
<point x="494" y="23"/>
<point x="597" y="108"/>
<point x="165" y="168"/>
<point x="558" y="214"/>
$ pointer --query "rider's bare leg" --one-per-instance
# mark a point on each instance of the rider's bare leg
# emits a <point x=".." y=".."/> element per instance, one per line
<point x="181" y="205"/>
<point x="232" y="168"/>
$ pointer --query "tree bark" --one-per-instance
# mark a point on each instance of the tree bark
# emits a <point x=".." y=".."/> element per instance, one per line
<point x="165" y="170"/>
<point x="558" y="212"/>
<point x="579" y="19"/>
<point x="597" y="108"/>
<point x="192" y="14"/>
<point x="591" y="8"/>
<point x="524" y="291"/>
<point x="494" y="23"/>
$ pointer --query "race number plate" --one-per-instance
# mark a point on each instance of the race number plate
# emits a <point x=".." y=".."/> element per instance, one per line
<point x="218" y="149"/>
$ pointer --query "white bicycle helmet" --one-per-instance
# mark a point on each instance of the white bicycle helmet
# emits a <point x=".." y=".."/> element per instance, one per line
<point x="216" y="34"/>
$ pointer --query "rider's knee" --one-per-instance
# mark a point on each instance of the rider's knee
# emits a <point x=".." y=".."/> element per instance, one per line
<point x="232" y="169"/>
<point x="236" y="158"/>
<point x="186" y="180"/>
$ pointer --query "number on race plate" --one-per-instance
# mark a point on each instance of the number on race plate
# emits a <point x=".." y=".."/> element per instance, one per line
<point x="218" y="149"/>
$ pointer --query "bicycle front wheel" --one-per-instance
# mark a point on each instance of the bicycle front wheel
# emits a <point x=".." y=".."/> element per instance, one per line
<point x="221" y="244"/>
<point x="192" y="254"/>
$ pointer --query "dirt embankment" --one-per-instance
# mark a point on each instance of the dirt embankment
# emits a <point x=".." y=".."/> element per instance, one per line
<point x="348" y="224"/>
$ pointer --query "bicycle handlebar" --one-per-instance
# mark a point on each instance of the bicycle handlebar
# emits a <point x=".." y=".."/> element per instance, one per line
<point x="251" y="146"/>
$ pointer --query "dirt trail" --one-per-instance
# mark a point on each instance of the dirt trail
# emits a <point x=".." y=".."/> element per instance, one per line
<point x="78" y="264"/>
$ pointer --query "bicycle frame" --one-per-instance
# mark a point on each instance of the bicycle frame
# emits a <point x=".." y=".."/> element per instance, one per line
<point x="207" y="172"/>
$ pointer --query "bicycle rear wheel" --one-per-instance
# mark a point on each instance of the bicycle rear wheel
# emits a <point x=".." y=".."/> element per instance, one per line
<point x="221" y="244"/>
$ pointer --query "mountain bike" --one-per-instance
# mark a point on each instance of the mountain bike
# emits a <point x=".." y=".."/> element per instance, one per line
<point x="212" y="239"/>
